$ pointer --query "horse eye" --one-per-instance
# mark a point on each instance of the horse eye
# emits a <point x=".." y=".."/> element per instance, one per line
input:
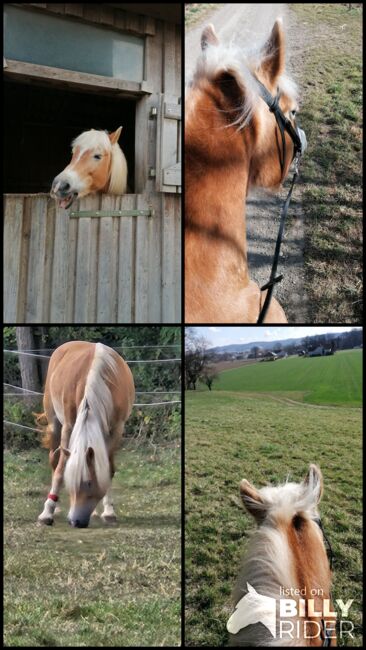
<point x="98" y="156"/>
<point x="293" y="113"/>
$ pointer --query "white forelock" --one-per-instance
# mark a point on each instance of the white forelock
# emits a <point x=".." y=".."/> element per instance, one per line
<point x="92" y="140"/>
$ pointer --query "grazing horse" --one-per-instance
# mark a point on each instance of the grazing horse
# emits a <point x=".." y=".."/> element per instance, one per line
<point x="232" y="142"/>
<point x="286" y="559"/>
<point x="88" y="397"/>
<point x="97" y="165"/>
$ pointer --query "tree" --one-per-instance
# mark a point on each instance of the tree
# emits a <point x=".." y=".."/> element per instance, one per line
<point x="27" y="364"/>
<point x="196" y="358"/>
<point x="208" y="377"/>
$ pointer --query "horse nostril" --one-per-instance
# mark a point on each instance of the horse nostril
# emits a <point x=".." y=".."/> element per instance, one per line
<point x="64" y="187"/>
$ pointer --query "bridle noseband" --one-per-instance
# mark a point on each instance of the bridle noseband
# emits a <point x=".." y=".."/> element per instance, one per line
<point x="283" y="124"/>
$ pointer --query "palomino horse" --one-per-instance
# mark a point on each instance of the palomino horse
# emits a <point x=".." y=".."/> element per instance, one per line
<point x="232" y="142"/>
<point x="286" y="559"/>
<point x="97" y="165"/>
<point x="88" y="397"/>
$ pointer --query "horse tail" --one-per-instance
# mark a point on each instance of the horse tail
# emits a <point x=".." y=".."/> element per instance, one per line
<point x="92" y="423"/>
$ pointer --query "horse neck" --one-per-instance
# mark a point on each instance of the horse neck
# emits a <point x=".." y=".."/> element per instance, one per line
<point x="275" y="561"/>
<point x="217" y="170"/>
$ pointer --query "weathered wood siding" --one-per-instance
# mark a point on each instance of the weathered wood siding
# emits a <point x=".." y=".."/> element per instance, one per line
<point x="62" y="269"/>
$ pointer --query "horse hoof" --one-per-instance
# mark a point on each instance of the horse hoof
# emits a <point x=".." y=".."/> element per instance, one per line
<point x="45" y="522"/>
<point x="109" y="519"/>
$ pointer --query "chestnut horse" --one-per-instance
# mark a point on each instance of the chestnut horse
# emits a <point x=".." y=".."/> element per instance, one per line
<point x="232" y="141"/>
<point x="88" y="397"/>
<point x="286" y="559"/>
<point x="97" y="165"/>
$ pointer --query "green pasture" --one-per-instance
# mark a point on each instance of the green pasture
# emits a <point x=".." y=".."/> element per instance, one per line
<point x="100" y="586"/>
<point x="230" y="436"/>
<point x="334" y="380"/>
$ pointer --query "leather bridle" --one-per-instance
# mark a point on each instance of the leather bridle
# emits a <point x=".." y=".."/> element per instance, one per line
<point x="284" y="124"/>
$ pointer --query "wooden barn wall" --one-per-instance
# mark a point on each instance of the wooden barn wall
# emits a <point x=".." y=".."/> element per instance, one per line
<point x="63" y="269"/>
<point x="121" y="269"/>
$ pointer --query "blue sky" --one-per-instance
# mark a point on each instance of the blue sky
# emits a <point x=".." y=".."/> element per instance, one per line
<point x="221" y="335"/>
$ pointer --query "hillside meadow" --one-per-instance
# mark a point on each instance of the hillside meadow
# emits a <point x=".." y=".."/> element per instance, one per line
<point x="329" y="380"/>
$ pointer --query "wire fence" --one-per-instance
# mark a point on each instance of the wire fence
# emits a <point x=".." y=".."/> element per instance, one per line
<point x="24" y="392"/>
<point x="44" y="356"/>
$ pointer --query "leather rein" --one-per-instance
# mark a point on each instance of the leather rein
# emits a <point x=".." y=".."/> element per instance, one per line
<point x="283" y="124"/>
<point x="327" y="638"/>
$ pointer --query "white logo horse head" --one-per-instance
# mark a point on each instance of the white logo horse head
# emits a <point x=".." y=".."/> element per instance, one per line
<point x="253" y="608"/>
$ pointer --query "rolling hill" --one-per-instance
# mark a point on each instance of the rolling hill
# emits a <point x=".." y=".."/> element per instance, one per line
<point x="319" y="380"/>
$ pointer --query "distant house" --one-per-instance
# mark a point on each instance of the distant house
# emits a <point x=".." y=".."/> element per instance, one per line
<point x="269" y="356"/>
<point x="320" y="351"/>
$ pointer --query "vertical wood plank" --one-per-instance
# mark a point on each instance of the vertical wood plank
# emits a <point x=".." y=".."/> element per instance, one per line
<point x="83" y="287"/>
<point x="106" y="283"/>
<point x="155" y="253"/>
<point x="37" y="252"/>
<point x="61" y="297"/>
<point x="168" y="255"/>
<point x="142" y="266"/>
<point x="126" y="263"/>
<point x="13" y="218"/>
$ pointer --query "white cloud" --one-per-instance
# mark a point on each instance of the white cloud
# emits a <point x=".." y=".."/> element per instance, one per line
<point x="214" y="329"/>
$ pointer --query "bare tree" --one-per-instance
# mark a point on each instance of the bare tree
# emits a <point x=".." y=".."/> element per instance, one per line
<point x="195" y="358"/>
<point x="28" y="364"/>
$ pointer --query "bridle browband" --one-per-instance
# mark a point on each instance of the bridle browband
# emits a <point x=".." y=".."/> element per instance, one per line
<point x="283" y="124"/>
<point x="330" y="554"/>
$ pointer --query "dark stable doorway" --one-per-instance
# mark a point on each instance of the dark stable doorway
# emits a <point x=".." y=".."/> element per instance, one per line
<point x="41" y="122"/>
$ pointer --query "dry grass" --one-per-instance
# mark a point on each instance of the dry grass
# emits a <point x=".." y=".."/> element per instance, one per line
<point x="99" y="586"/>
<point x="331" y="169"/>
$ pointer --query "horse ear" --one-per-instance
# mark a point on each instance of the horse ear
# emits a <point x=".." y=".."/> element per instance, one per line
<point x="314" y="482"/>
<point x="232" y="87"/>
<point x="114" y="137"/>
<point x="209" y="37"/>
<point x="252" y="499"/>
<point x="273" y="53"/>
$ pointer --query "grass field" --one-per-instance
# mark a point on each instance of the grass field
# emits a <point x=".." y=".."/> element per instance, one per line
<point x="100" y="586"/>
<point x="334" y="380"/>
<point x="230" y="436"/>
<point x="331" y="170"/>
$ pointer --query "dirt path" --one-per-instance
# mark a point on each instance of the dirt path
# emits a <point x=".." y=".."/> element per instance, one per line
<point x="251" y="23"/>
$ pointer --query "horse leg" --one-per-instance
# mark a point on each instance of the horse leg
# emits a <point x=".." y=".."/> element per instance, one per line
<point x="58" y="460"/>
<point x="108" y="515"/>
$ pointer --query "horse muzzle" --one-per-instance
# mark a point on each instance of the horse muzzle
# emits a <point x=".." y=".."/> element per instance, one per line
<point x="63" y="193"/>
<point x="78" y="523"/>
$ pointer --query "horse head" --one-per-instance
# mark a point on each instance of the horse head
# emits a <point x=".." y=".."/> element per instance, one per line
<point x="86" y="494"/>
<point x="97" y="165"/>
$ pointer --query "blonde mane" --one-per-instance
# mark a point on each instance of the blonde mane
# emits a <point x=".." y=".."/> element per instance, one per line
<point x="118" y="172"/>
<point x="99" y="141"/>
